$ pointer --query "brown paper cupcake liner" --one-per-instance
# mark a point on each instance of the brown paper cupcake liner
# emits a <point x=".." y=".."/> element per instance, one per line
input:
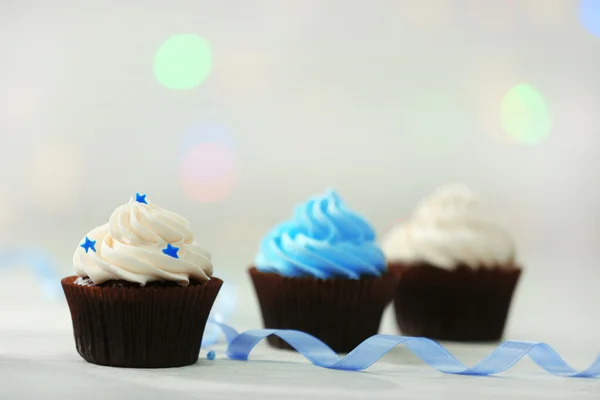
<point x="340" y="312"/>
<point x="140" y="327"/>
<point x="463" y="304"/>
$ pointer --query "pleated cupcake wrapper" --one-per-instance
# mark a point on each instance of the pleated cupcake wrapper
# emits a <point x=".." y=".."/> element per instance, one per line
<point x="149" y="327"/>
<point x="462" y="304"/>
<point x="340" y="312"/>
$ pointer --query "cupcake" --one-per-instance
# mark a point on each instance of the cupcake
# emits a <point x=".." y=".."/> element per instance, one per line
<point x="322" y="273"/>
<point x="458" y="269"/>
<point x="142" y="291"/>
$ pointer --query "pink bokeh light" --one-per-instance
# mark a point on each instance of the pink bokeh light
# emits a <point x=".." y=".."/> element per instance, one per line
<point x="208" y="172"/>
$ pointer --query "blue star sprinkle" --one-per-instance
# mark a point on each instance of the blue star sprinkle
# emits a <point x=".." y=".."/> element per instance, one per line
<point x="171" y="251"/>
<point x="210" y="355"/>
<point x="140" y="198"/>
<point x="89" y="244"/>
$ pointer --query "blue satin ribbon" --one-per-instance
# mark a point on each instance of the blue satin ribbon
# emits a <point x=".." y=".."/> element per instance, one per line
<point x="429" y="351"/>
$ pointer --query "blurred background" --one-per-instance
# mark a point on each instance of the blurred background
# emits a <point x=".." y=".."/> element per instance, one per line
<point x="231" y="112"/>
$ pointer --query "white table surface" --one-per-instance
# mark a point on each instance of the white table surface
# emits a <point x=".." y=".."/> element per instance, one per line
<point x="38" y="360"/>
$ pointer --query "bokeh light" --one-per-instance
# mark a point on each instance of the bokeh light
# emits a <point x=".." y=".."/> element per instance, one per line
<point x="525" y="115"/>
<point x="589" y="16"/>
<point x="208" y="170"/>
<point x="183" y="62"/>
<point x="40" y="263"/>
<point x="207" y="132"/>
<point x="55" y="175"/>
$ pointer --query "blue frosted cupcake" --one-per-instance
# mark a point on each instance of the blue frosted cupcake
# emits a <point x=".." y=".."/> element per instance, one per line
<point x="322" y="272"/>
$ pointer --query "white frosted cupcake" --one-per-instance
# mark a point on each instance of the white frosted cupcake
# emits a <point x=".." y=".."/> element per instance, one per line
<point x="458" y="269"/>
<point x="143" y="289"/>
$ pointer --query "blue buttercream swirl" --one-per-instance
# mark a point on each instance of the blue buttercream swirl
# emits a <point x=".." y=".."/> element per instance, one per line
<point x="324" y="239"/>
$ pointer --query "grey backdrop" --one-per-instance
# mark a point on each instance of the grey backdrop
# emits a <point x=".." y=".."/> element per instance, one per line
<point x="382" y="100"/>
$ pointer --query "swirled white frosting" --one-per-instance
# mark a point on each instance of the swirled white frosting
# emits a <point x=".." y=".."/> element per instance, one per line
<point x="450" y="228"/>
<point x="130" y="247"/>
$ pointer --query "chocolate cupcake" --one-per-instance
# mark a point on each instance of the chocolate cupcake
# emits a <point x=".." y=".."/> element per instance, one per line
<point x="322" y="273"/>
<point x="143" y="290"/>
<point x="458" y="269"/>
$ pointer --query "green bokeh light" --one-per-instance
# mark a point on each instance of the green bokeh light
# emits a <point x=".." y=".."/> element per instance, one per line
<point x="525" y="115"/>
<point x="183" y="62"/>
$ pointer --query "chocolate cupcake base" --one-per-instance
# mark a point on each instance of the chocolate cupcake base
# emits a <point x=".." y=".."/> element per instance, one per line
<point x="340" y="312"/>
<point x="463" y="304"/>
<point x="125" y="325"/>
